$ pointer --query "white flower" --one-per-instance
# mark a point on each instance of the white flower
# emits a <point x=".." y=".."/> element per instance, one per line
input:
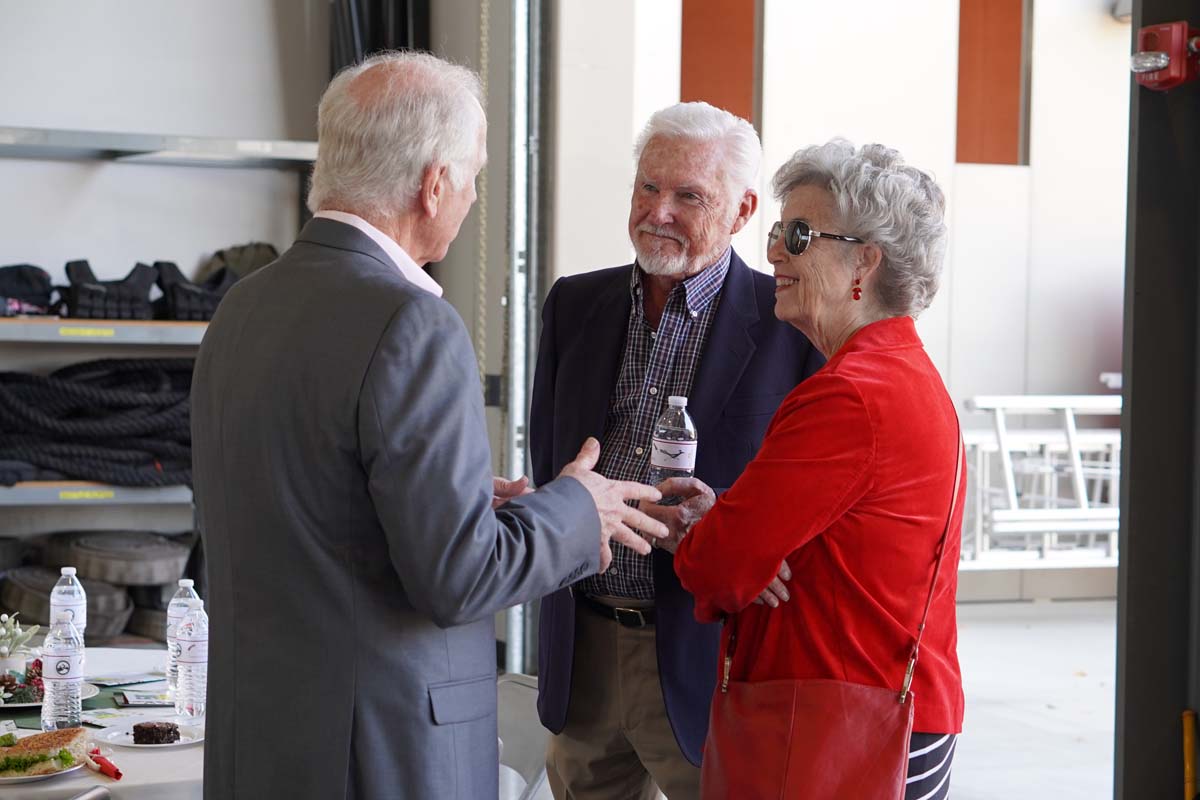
<point x="3" y="617"/>
<point x="3" y="651"/>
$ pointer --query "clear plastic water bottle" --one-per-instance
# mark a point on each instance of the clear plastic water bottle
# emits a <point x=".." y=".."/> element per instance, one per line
<point x="62" y="675"/>
<point x="673" y="446"/>
<point x="68" y="595"/>
<point x="176" y="611"/>
<point x="192" y="638"/>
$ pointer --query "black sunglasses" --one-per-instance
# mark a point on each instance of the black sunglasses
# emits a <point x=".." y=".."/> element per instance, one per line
<point x="797" y="234"/>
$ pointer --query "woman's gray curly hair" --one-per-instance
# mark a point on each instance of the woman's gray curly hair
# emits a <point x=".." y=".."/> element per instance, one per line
<point x="888" y="203"/>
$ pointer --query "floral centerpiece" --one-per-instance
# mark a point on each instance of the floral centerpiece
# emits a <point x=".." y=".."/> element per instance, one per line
<point x="14" y="646"/>
<point x="29" y="690"/>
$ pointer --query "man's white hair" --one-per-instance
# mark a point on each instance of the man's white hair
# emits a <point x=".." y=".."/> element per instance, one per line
<point x="373" y="147"/>
<point x="698" y="121"/>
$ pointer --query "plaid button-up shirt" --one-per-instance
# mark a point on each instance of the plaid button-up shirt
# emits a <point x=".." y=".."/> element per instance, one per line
<point x="656" y="365"/>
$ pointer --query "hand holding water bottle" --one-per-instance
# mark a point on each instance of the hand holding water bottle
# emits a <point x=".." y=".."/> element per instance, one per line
<point x="672" y="462"/>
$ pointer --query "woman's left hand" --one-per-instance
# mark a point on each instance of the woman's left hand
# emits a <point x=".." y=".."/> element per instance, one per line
<point x="776" y="592"/>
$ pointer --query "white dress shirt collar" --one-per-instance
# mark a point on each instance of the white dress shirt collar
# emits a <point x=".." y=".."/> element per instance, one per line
<point x="408" y="268"/>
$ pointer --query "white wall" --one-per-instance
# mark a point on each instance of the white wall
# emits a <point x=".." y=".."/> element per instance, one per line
<point x="1079" y="136"/>
<point x="616" y="63"/>
<point x="869" y="71"/>
<point x="657" y="53"/>
<point x="989" y="296"/>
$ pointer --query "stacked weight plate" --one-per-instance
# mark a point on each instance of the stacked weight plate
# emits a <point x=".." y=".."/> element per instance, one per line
<point x="124" y="558"/>
<point x="11" y="552"/>
<point x="149" y="622"/>
<point x="148" y="564"/>
<point x="27" y="590"/>
<point x="150" y="610"/>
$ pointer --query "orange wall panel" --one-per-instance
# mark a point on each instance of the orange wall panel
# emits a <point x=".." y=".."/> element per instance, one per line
<point x="989" y="81"/>
<point x="717" y="62"/>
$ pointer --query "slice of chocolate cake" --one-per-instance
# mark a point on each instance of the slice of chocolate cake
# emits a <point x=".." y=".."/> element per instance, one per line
<point x="155" y="733"/>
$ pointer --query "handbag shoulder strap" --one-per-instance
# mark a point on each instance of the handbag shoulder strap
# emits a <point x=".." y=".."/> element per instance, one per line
<point x="937" y="568"/>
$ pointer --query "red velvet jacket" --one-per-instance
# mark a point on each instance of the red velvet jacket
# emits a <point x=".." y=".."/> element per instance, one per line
<point x="852" y="486"/>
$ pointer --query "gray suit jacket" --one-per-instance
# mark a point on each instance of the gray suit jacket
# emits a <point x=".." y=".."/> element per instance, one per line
<point x="343" y="489"/>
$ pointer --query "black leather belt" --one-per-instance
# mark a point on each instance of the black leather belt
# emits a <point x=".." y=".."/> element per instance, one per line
<point x="629" y="617"/>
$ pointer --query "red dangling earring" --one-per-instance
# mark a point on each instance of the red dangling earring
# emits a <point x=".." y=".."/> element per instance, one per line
<point x="856" y="292"/>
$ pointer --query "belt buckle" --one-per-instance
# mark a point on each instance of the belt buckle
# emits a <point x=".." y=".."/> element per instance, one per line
<point x="634" y="612"/>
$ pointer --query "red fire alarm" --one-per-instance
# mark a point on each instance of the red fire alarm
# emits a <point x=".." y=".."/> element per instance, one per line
<point x="1168" y="55"/>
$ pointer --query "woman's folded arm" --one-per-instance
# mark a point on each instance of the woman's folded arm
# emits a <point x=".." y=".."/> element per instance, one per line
<point x="815" y="463"/>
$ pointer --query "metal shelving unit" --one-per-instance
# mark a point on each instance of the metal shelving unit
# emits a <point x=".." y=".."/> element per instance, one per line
<point x="131" y="148"/>
<point x="86" y="493"/>
<point x="96" y="332"/>
<point x="139" y="148"/>
<point x="56" y="330"/>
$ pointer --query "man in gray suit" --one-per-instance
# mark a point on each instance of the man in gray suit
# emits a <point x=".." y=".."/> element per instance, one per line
<point x="343" y="482"/>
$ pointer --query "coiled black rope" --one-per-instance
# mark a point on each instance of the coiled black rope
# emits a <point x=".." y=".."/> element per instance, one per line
<point x="119" y="421"/>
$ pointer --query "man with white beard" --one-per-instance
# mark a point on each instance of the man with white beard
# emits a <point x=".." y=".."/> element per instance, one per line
<point x="626" y="674"/>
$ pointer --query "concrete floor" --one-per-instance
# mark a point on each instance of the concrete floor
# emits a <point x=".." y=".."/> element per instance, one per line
<point x="1039" y="685"/>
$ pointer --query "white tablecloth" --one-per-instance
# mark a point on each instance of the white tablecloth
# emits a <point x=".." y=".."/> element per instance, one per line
<point x="170" y="774"/>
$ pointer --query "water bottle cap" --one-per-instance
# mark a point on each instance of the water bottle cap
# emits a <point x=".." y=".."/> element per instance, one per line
<point x="186" y="583"/>
<point x="68" y="571"/>
<point x="194" y="602"/>
<point x="677" y="401"/>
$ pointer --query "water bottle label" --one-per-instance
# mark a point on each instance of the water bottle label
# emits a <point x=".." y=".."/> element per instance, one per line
<point x="666" y="454"/>
<point x="77" y="612"/>
<point x="62" y="665"/>
<point x="192" y="651"/>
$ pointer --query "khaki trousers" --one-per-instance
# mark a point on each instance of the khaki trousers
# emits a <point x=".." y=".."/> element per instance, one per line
<point x="617" y="743"/>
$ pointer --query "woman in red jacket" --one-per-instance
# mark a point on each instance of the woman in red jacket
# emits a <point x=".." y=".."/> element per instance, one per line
<point x="851" y="490"/>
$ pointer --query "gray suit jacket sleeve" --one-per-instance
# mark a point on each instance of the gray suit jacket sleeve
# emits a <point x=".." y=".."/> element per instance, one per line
<point x="424" y="446"/>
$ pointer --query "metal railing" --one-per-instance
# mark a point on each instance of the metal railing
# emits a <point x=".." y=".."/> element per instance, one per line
<point x="1048" y="490"/>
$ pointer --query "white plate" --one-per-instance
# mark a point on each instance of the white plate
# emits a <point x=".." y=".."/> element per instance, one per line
<point x="86" y="692"/>
<point x="31" y="778"/>
<point x="122" y="736"/>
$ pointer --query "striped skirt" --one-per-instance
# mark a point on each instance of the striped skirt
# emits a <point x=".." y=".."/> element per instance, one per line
<point x="929" y="758"/>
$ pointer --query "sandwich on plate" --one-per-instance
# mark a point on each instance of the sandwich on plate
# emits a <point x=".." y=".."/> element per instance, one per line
<point x="44" y="753"/>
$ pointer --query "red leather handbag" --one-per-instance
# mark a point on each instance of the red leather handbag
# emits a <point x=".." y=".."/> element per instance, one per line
<point x="814" y="739"/>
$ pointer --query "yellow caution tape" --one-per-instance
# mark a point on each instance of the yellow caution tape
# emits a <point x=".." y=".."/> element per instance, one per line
<point x="86" y="494"/>
<point x="87" y="333"/>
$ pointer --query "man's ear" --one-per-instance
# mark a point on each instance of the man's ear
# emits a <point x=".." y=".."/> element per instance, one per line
<point x="745" y="210"/>
<point x="434" y="183"/>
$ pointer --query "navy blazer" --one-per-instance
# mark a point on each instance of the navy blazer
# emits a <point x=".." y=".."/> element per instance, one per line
<point x="750" y="362"/>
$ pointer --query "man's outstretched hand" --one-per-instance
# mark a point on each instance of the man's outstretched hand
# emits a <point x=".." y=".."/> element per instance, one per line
<point x="618" y="520"/>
